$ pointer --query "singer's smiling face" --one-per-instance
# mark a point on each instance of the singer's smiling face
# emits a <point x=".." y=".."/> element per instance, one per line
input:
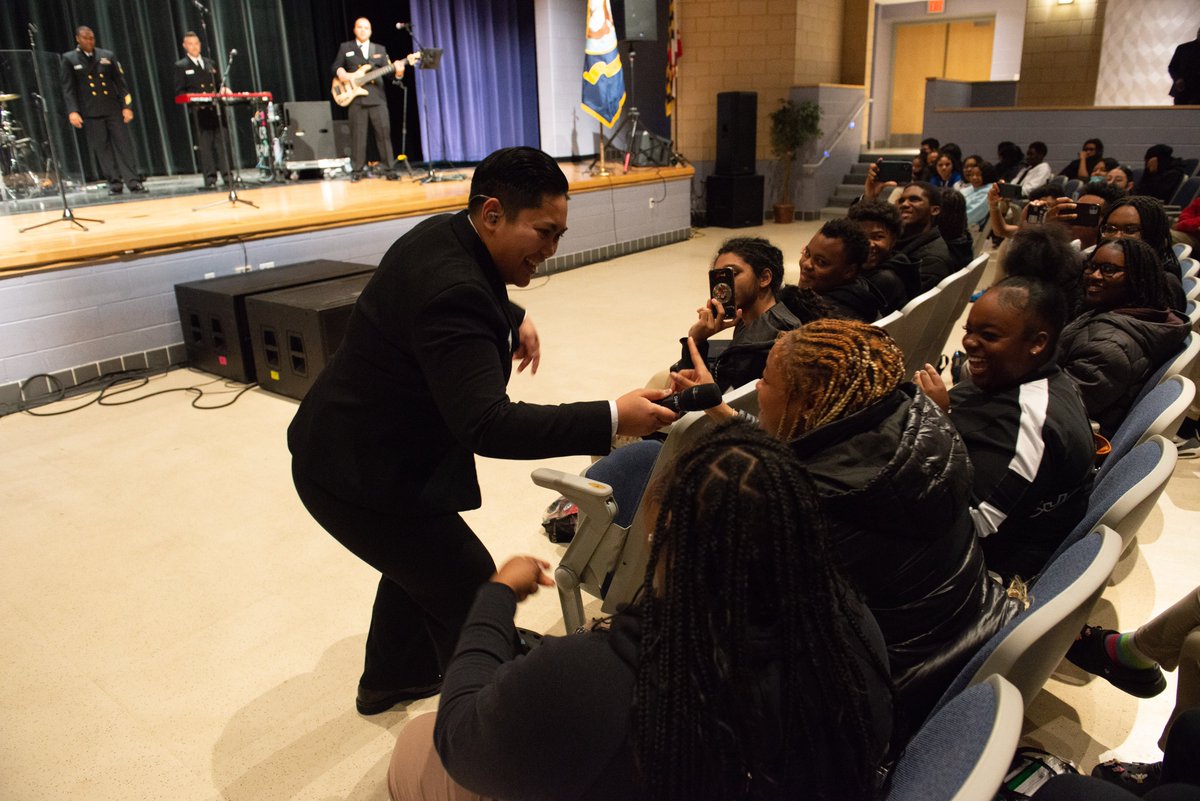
<point x="362" y="29"/>
<point x="191" y="46"/>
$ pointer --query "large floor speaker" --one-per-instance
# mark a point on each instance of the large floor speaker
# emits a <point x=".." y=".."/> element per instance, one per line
<point x="737" y="126"/>
<point x="341" y="138"/>
<point x="310" y="131"/>
<point x="636" y="20"/>
<point x="295" y="332"/>
<point x="734" y="201"/>
<point x="213" y="312"/>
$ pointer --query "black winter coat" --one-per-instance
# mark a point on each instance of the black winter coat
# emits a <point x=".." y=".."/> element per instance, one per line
<point x="1110" y="355"/>
<point x="896" y="482"/>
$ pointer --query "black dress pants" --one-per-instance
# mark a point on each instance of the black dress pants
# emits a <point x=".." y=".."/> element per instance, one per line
<point x="210" y="142"/>
<point x="109" y="142"/>
<point x="431" y="566"/>
<point x="377" y="117"/>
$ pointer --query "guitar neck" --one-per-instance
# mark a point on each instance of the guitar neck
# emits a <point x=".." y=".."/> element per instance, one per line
<point x="359" y="80"/>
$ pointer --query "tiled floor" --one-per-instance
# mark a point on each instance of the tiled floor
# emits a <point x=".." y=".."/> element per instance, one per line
<point x="176" y="626"/>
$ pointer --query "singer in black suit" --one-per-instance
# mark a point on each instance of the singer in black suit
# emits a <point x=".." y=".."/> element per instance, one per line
<point x="99" y="103"/>
<point x="195" y="73"/>
<point x="383" y="444"/>
<point x="369" y="109"/>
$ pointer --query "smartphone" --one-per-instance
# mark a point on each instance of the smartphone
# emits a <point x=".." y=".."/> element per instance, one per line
<point x="720" y="288"/>
<point x="1036" y="213"/>
<point x="1011" y="191"/>
<point x="898" y="171"/>
<point x="1086" y="214"/>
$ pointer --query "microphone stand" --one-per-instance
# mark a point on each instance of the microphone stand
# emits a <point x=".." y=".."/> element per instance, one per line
<point x="432" y="176"/>
<point x="234" y="177"/>
<point x="68" y="216"/>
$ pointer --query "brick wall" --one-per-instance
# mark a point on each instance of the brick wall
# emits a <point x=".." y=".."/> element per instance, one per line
<point x="763" y="46"/>
<point x="1061" y="56"/>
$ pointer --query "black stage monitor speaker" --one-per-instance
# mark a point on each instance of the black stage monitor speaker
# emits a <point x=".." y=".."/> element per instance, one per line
<point x="636" y="20"/>
<point x="310" y="130"/>
<point x="295" y="332"/>
<point x="737" y="126"/>
<point x="734" y="201"/>
<point x="213" y="312"/>
<point x="341" y="138"/>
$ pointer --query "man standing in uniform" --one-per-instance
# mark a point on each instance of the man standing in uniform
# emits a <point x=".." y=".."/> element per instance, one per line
<point x="383" y="445"/>
<point x="370" y="108"/>
<point x="98" y="102"/>
<point x="195" y="73"/>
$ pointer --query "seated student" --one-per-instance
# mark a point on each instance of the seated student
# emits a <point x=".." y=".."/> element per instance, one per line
<point x="928" y="153"/>
<point x="1125" y="333"/>
<point x="1009" y="161"/>
<point x="920" y="240"/>
<point x="1162" y="176"/>
<point x="1100" y="171"/>
<point x="1041" y="201"/>
<point x="979" y="176"/>
<point x="759" y="317"/>
<point x="951" y="221"/>
<point x="946" y="171"/>
<point x="1089" y="156"/>
<point x="1063" y="211"/>
<point x="1142" y="217"/>
<point x="1187" y="228"/>
<point x="894" y="479"/>
<point x="1024" y="426"/>
<point x="830" y="266"/>
<point x="1036" y="172"/>
<point x="1045" y="252"/>
<point x="785" y="692"/>
<point x="893" y="274"/>
<point x="1120" y="177"/>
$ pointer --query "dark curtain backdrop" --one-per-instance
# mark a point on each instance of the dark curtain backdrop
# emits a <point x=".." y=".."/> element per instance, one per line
<point x="286" y="47"/>
<point x="484" y="93"/>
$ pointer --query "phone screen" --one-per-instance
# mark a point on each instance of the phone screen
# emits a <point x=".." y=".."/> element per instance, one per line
<point x="720" y="288"/>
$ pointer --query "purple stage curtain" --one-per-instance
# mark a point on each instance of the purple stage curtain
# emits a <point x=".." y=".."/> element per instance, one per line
<point x="483" y="95"/>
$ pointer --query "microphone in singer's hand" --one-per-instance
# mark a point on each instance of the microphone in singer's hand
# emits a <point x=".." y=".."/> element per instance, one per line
<point x="693" y="399"/>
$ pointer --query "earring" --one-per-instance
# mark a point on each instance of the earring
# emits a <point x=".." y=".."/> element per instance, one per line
<point x="492" y="218"/>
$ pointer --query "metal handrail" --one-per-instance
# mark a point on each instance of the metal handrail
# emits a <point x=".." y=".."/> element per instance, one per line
<point x="809" y="169"/>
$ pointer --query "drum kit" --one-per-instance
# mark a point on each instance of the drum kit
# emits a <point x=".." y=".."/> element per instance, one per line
<point x="22" y="167"/>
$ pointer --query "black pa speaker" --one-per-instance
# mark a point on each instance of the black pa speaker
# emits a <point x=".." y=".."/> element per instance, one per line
<point x="734" y="201"/>
<point x="737" y="127"/>
<point x="636" y="20"/>
<point x="310" y="131"/>
<point x="341" y="138"/>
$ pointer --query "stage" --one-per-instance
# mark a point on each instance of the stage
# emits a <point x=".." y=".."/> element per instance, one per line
<point x="149" y="224"/>
<point x="76" y="304"/>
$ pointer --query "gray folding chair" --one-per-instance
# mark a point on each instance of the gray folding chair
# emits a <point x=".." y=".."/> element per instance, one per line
<point x="1182" y="251"/>
<point x="963" y="751"/>
<point x="964" y="283"/>
<point x="1179" y="364"/>
<point x="921" y="312"/>
<point x="1160" y="412"/>
<point x="905" y="329"/>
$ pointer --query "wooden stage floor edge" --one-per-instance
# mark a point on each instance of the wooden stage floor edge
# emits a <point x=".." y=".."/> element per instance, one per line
<point x="170" y="224"/>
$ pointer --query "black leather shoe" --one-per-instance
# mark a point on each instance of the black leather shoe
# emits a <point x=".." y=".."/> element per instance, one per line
<point x="372" y="702"/>
<point x="393" y="176"/>
<point x="136" y="186"/>
<point x="210" y="186"/>
<point x="355" y="177"/>
<point x="115" y="189"/>
<point x="1089" y="653"/>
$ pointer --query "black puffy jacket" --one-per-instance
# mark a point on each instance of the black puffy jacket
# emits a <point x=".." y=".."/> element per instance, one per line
<point x="1110" y="354"/>
<point x="896" y="480"/>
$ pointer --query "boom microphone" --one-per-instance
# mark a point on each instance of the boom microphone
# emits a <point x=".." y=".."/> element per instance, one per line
<point x="693" y="399"/>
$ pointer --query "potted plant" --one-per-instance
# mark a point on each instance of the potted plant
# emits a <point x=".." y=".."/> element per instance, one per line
<point x="793" y="125"/>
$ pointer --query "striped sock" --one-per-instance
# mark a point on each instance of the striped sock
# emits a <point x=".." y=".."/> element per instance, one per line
<point x="1121" y="649"/>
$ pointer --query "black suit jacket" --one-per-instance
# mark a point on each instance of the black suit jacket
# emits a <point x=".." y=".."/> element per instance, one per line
<point x="349" y="57"/>
<point x="190" y="80"/>
<point x="418" y="385"/>
<point x="94" y="87"/>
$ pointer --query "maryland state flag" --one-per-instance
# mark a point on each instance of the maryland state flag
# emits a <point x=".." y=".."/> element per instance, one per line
<point x="603" y="83"/>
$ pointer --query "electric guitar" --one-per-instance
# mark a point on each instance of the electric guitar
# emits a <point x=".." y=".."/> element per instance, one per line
<point x="344" y="92"/>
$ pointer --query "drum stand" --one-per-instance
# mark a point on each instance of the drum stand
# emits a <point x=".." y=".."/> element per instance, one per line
<point x="68" y="216"/>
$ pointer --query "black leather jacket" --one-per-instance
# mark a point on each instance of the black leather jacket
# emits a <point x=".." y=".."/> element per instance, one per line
<point x="896" y="482"/>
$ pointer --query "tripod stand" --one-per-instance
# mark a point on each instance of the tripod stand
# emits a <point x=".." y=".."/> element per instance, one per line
<point x="68" y="216"/>
<point x="403" y="156"/>
<point x="429" y="61"/>
<point x="632" y="118"/>
<point x="234" y="176"/>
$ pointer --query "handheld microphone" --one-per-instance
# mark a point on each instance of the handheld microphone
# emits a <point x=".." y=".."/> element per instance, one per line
<point x="693" y="399"/>
<point x="200" y="6"/>
<point x="401" y="26"/>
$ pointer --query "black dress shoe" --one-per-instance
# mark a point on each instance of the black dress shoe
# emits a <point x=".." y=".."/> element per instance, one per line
<point x="115" y="189"/>
<point x="136" y="186"/>
<point x="210" y="186"/>
<point x="372" y="702"/>
<point x="393" y="175"/>
<point x="355" y="177"/>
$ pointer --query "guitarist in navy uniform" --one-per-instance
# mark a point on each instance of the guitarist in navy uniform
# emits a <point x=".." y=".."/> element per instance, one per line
<point x="99" y="103"/>
<point x="194" y="74"/>
<point x="372" y="107"/>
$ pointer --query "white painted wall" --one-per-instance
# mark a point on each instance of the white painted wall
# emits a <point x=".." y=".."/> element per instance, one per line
<point x="1139" y="38"/>
<point x="561" y="26"/>
<point x="1006" y="46"/>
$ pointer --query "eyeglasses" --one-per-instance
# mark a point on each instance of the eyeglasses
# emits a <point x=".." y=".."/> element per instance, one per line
<point x="1107" y="270"/>
<point x="1133" y="229"/>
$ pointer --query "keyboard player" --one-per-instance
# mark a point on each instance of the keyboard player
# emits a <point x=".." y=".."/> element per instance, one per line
<point x="195" y="73"/>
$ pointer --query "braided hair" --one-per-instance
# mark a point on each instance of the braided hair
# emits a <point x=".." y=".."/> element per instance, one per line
<point x="1156" y="228"/>
<point x="760" y="254"/>
<point x="1145" y="282"/>
<point x="834" y="368"/>
<point x="741" y="582"/>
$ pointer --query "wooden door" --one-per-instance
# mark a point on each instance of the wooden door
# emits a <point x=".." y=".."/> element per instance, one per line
<point x="960" y="50"/>
<point x="969" y="50"/>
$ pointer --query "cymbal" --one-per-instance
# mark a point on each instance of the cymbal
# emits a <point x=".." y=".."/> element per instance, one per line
<point x="5" y="97"/>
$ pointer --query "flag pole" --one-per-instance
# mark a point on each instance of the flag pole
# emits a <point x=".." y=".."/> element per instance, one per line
<point x="603" y="172"/>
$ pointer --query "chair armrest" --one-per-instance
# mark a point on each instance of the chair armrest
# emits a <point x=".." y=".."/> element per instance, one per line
<point x="593" y="498"/>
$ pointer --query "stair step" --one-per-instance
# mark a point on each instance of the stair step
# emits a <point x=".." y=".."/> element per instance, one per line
<point x="833" y="212"/>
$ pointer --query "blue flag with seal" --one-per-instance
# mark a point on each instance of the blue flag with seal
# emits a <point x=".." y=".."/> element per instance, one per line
<point x="603" y="83"/>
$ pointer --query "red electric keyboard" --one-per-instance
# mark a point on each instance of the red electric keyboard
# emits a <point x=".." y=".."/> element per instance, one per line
<point x="223" y="97"/>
